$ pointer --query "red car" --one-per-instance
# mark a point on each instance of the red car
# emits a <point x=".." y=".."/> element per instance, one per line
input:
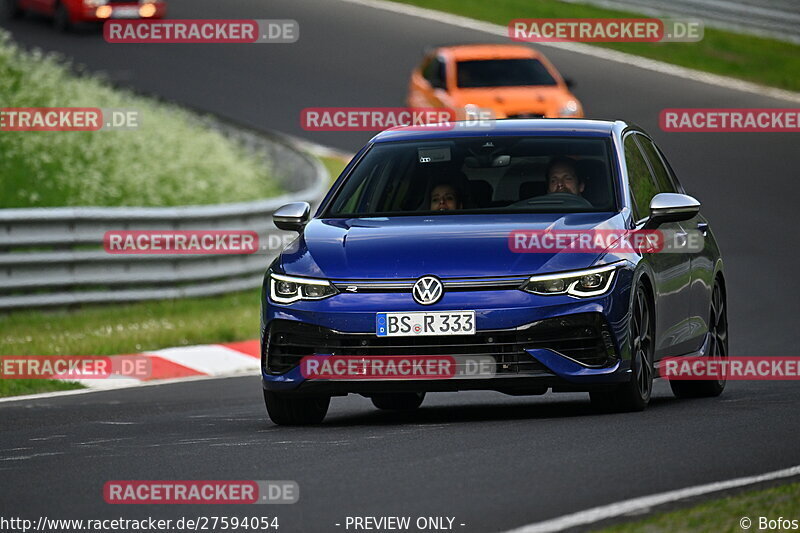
<point x="66" y="13"/>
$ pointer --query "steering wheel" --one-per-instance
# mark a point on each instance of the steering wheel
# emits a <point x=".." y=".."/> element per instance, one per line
<point x="557" y="198"/>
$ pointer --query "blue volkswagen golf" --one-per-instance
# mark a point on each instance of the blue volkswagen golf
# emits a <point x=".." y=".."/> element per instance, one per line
<point x="416" y="253"/>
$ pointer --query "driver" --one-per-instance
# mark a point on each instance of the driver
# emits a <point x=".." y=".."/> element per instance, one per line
<point x="562" y="176"/>
<point x="445" y="197"/>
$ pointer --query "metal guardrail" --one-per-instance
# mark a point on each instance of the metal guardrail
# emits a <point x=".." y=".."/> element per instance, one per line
<point x="55" y="256"/>
<point x="775" y="19"/>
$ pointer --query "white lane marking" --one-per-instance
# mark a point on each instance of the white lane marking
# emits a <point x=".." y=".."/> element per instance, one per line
<point x="115" y="382"/>
<point x="132" y="384"/>
<point x="585" y="49"/>
<point x="645" y="503"/>
<point x="211" y="359"/>
<point x="32" y="456"/>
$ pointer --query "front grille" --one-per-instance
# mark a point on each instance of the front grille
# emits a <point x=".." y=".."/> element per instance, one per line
<point x="453" y="284"/>
<point x="584" y="338"/>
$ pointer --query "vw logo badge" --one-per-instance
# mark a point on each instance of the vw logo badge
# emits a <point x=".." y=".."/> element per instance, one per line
<point x="427" y="290"/>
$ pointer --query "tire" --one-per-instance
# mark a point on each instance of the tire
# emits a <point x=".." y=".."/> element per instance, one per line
<point x="301" y="411"/>
<point x="12" y="10"/>
<point x="634" y="395"/>
<point x="718" y="329"/>
<point x="61" y="20"/>
<point x="406" y="401"/>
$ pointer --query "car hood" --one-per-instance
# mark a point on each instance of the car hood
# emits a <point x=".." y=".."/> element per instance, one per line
<point x="443" y="245"/>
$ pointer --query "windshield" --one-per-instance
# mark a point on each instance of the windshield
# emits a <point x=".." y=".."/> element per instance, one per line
<point x="477" y="175"/>
<point x="502" y="73"/>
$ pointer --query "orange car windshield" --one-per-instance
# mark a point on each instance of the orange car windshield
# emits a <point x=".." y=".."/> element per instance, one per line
<point x="502" y="73"/>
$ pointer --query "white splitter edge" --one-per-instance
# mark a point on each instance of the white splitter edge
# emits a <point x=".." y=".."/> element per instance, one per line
<point x="614" y="510"/>
<point x="585" y="49"/>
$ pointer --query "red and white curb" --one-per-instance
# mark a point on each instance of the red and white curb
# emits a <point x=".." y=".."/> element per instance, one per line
<point x="206" y="360"/>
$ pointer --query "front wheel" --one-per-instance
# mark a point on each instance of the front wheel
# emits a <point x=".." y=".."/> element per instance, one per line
<point x="718" y="333"/>
<point x="296" y="411"/>
<point x="635" y="394"/>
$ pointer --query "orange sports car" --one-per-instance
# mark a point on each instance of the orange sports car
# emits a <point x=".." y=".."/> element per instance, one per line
<point x="512" y="81"/>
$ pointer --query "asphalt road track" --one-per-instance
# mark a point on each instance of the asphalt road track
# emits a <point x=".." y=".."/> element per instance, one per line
<point x="492" y="461"/>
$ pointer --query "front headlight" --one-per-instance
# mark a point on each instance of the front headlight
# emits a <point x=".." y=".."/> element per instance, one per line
<point x="287" y="289"/>
<point x="570" y="109"/>
<point x="581" y="284"/>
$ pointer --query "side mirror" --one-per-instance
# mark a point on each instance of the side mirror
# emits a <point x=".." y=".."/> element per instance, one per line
<point x="292" y="217"/>
<point x="671" y="207"/>
<point x="569" y="83"/>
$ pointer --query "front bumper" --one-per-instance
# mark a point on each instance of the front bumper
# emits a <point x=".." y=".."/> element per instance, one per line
<point x="537" y="342"/>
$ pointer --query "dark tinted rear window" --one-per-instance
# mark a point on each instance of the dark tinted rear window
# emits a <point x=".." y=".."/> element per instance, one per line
<point x="502" y="73"/>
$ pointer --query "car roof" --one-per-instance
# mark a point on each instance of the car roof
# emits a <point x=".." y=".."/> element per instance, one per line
<point x="567" y="127"/>
<point x="469" y="52"/>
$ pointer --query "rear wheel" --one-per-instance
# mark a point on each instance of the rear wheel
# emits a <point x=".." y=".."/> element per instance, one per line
<point x="296" y="411"/>
<point x="406" y="401"/>
<point x="634" y="395"/>
<point x="61" y="20"/>
<point x="718" y="331"/>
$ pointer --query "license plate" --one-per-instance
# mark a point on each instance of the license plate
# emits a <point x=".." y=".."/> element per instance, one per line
<point x="125" y="12"/>
<point x="419" y="324"/>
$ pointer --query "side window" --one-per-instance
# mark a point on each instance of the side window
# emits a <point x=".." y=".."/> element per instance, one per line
<point x="434" y="72"/>
<point x="663" y="180"/>
<point x="641" y="182"/>
<point x="675" y="181"/>
<point x="442" y="75"/>
<point x="429" y="68"/>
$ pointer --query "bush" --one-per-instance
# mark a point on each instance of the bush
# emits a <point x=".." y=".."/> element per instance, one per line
<point x="171" y="159"/>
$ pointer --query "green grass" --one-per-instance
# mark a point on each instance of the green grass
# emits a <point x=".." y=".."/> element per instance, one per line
<point x="723" y="515"/>
<point x="125" y="329"/>
<point x="171" y="159"/>
<point x="335" y="165"/>
<point x="21" y="387"/>
<point x="757" y="59"/>
<point x="130" y="328"/>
